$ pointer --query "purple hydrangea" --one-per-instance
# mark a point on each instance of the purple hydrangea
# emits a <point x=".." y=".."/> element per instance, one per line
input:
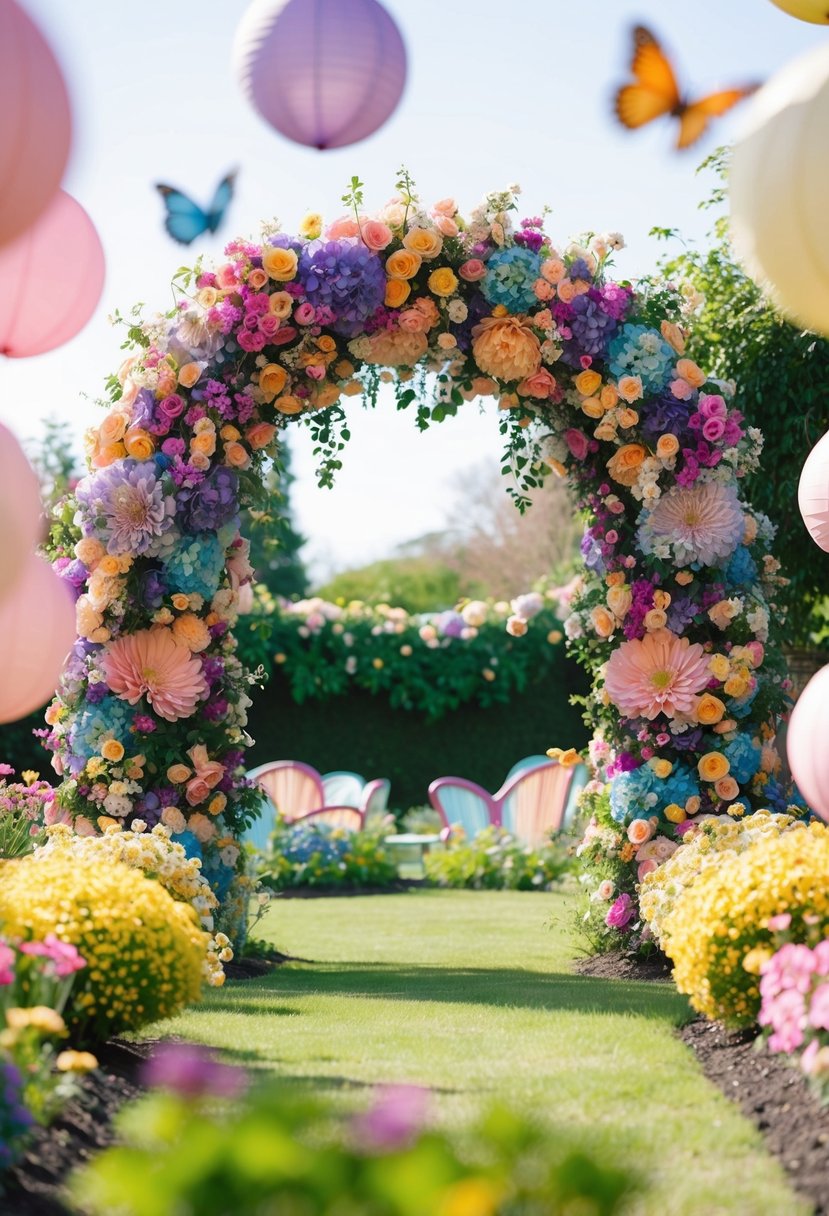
<point x="211" y="504"/>
<point x="591" y="327"/>
<point x="345" y="277"/>
<point x="127" y="505"/>
<point x="665" y="415"/>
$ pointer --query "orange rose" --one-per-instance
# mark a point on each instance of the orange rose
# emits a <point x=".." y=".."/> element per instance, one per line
<point x="713" y="766"/>
<point x="506" y="348"/>
<point x="178" y="773"/>
<point x="260" y="434"/>
<point x="326" y="344"/>
<point x="674" y="336"/>
<point x="630" y="388"/>
<point x="627" y="419"/>
<point x="727" y="788"/>
<point x="139" y="444"/>
<point x="288" y="404"/>
<point x="188" y="374"/>
<point x="397" y="292"/>
<point x="602" y="621"/>
<point x="113" y="426"/>
<point x="272" y="379"/>
<point x="688" y="370"/>
<point x="403" y="264"/>
<point x="608" y="396"/>
<point x="619" y="600"/>
<point x="424" y="241"/>
<point x="181" y="602"/>
<point x="280" y="304"/>
<point x="327" y="394"/>
<point x="655" y="619"/>
<point x="709" y="709"/>
<point x="667" y="446"/>
<point x="442" y="282"/>
<point x="592" y="407"/>
<point x="280" y="264"/>
<point x="204" y="442"/>
<point x="587" y="383"/>
<point x="639" y="830"/>
<point x="624" y="465"/>
<point x="112" y="750"/>
<point x="236" y="455"/>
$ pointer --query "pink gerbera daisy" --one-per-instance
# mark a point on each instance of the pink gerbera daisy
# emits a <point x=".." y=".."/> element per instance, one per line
<point x="661" y="673"/>
<point x="152" y="664"/>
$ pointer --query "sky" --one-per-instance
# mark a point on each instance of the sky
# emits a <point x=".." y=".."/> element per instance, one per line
<point x="496" y="94"/>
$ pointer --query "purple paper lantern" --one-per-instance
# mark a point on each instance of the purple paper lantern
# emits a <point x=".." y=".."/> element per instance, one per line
<point x="325" y="73"/>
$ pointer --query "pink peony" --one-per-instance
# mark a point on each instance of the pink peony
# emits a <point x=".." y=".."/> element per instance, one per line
<point x="659" y="673"/>
<point x="152" y="664"/>
<point x="703" y="522"/>
<point x="622" y="912"/>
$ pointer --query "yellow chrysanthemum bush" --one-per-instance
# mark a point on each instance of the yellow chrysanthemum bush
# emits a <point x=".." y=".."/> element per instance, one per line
<point x="144" y="950"/>
<point x="713" y="843"/>
<point x="157" y="856"/>
<point x="718" y="933"/>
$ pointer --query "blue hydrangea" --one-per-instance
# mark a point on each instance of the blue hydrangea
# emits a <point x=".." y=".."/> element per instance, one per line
<point x="638" y="350"/>
<point x="742" y="708"/>
<point x="741" y="570"/>
<point x="110" y="717"/>
<point x="743" y="754"/>
<point x="640" y="793"/>
<point x="195" y="565"/>
<point x="509" y="278"/>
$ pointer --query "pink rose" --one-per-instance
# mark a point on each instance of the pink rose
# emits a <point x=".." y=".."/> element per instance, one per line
<point x="681" y="389"/>
<point x="305" y="314"/>
<point x="268" y="324"/>
<point x="197" y="790"/>
<point x="284" y="334"/>
<point x="622" y="912"/>
<point x="413" y="321"/>
<point x="260" y="435"/>
<point x="315" y="372"/>
<point x="540" y="384"/>
<point x="375" y="234"/>
<point x="639" y="830"/>
<point x="757" y="652"/>
<point x="711" y="405"/>
<point x="445" y="225"/>
<point x="577" y="442"/>
<point x="172" y="406"/>
<point x="645" y="867"/>
<point x="345" y="226"/>
<point x="226" y="276"/>
<point x="713" y="429"/>
<point x="472" y="270"/>
<point x="445" y="206"/>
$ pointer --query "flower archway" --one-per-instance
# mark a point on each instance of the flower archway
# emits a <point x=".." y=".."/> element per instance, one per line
<point x="673" y="614"/>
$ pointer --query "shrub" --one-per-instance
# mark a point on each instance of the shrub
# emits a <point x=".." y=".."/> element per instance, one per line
<point x="715" y="842"/>
<point x="718" y="934"/>
<point x="22" y="807"/>
<point x="495" y="860"/>
<point x="794" y="990"/>
<point x="143" y="949"/>
<point x="316" y="854"/>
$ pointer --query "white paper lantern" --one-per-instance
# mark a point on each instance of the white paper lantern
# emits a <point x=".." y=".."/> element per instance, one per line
<point x="813" y="493"/>
<point x="779" y="186"/>
<point x="815" y="11"/>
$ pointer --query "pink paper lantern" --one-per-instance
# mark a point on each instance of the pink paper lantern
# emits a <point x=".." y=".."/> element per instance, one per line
<point x="37" y="631"/>
<point x="36" y="127"/>
<point x="52" y="278"/>
<point x="813" y="493"/>
<point x="325" y="73"/>
<point x="20" y="511"/>
<point x="806" y="743"/>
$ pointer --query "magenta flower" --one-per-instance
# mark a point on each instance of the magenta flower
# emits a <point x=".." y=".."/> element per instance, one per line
<point x="398" y="1114"/>
<point x="64" y="956"/>
<point x="192" y="1072"/>
<point x="7" y="958"/>
<point x="819" y="1008"/>
<point x="621" y="912"/>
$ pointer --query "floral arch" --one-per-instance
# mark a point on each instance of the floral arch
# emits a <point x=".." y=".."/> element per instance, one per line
<point x="674" y="611"/>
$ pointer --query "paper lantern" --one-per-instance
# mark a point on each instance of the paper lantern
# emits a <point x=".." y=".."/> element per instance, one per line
<point x="778" y="186"/>
<point x="37" y="631"/>
<point x="325" y="73"/>
<point x="806" y="743"/>
<point x="20" y="511"/>
<point x="52" y="277"/>
<point x="36" y="127"/>
<point x="813" y="493"/>
<point x="816" y="11"/>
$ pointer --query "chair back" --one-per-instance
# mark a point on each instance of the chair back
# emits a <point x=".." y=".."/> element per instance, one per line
<point x="527" y="762"/>
<point x="343" y="788"/>
<point x="457" y="800"/>
<point x="289" y="788"/>
<point x="580" y="778"/>
<point x="335" y="816"/>
<point x="376" y="797"/>
<point x="532" y="803"/>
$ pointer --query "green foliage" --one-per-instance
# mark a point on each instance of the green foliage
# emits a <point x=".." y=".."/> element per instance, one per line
<point x="780" y="373"/>
<point x="604" y="854"/>
<point x="318" y="855"/>
<point x="495" y="860"/>
<point x="418" y="584"/>
<point x="274" y="542"/>
<point x="280" y="1152"/>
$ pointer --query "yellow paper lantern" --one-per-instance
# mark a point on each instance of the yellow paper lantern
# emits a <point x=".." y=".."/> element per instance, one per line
<point x="816" y="11"/>
<point x="778" y="187"/>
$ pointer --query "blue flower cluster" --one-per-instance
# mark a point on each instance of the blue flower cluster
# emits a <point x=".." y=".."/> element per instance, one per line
<point x="347" y="278"/>
<point x="640" y="351"/>
<point x="299" y="844"/>
<point x="640" y="793"/>
<point x="195" y="565"/>
<point x="509" y="278"/>
<point x="743" y="754"/>
<point x="15" y="1119"/>
<point x="741" y="569"/>
<point x="110" y="717"/>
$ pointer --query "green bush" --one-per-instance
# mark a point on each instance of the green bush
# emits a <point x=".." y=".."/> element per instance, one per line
<point x="495" y="860"/>
<point x="315" y="854"/>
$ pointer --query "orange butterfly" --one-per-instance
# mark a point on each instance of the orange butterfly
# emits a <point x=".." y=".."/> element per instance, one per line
<point x="655" y="92"/>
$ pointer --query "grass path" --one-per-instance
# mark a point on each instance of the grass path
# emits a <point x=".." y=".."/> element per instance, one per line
<point x="473" y="995"/>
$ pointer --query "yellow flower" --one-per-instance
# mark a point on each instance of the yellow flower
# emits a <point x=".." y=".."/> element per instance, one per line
<point x="567" y="757"/>
<point x="709" y="709"/>
<point x="272" y="379"/>
<point x="675" y="813"/>
<point x="667" y="446"/>
<point x="39" y="1017"/>
<point x="403" y="264"/>
<point x="712" y="766"/>
<point x="471" y="1197"/>
<point x="442" y="282"/>
<point x="587" y="383"/>
<point x="397" y="292"/>
<point x="719" y="666"/>
<point x="76" y="1061"/>
<point x="29" y="776"/>
<point x="139" y="443"/>
<point x="311" y="225"/>
<point x="280" y="264"/>
<point x="754" y="960"/>
<point x="425" y="241"/>
<point x="661" y="768"/>
<point x="737" y="684"/>
<point x="111" y="749"/>
<point x="377" y="663"/>
<point x="288" y="404"/>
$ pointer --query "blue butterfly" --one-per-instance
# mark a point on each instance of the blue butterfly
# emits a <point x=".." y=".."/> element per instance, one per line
<point x="185" y="220"/>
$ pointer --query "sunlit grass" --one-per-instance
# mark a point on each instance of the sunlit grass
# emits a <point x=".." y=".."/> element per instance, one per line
<point x="472" y="994"/>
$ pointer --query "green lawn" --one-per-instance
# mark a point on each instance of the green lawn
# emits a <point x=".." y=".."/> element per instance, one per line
<point x="472" y="994"/>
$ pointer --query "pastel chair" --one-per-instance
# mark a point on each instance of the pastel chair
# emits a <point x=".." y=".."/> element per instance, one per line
<point x="343" y="788"/>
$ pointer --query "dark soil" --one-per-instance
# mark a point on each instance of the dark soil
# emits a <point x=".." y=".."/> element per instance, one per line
<point x="617" y="965"/>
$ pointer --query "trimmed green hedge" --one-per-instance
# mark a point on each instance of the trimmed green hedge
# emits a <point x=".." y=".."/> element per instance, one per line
<point x="362" y="732"/>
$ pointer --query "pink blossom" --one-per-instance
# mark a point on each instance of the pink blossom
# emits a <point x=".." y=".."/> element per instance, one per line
<point x="345" y="226"/>
<point x="778" y="924"/>
<point x="819" y="1008"/>
<point x="646" y="867"/>
<point x="445" y="225"/>
<point x="472" y="270"/>
<point x="712" y="405"/>
<point x="151" y="664"/>
<point x="659" y="673"/>
<point x="621" y="913"/>
<point x="304" y="314"/>
<point x="375" y="234"/>
<point x="681" y="389"/>
<point x="577" y="442"/>
<point x="63" y="955"/>
<point x="713" y="429"/>
<point x="7" y="958"/>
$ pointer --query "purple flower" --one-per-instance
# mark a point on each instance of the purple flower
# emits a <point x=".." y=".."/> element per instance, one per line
<point x="192" y="1072"/>
<point x="398" y="1114"/>
<point x="125" y="504"/>
<point x="152" y="588"/>
<point x="591" y="327"/>
<point x="211" y="504"/>
<point x="665" y="415"/>
<point x="621" y="912"/>
<point x="345" y="277"/>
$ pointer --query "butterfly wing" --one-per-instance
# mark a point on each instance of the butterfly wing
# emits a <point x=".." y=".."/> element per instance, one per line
<point x="654" y="90"/>
<point x="694" y="118"/>
<point x="220" y="201"/>
<point x="184" y="219"/>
